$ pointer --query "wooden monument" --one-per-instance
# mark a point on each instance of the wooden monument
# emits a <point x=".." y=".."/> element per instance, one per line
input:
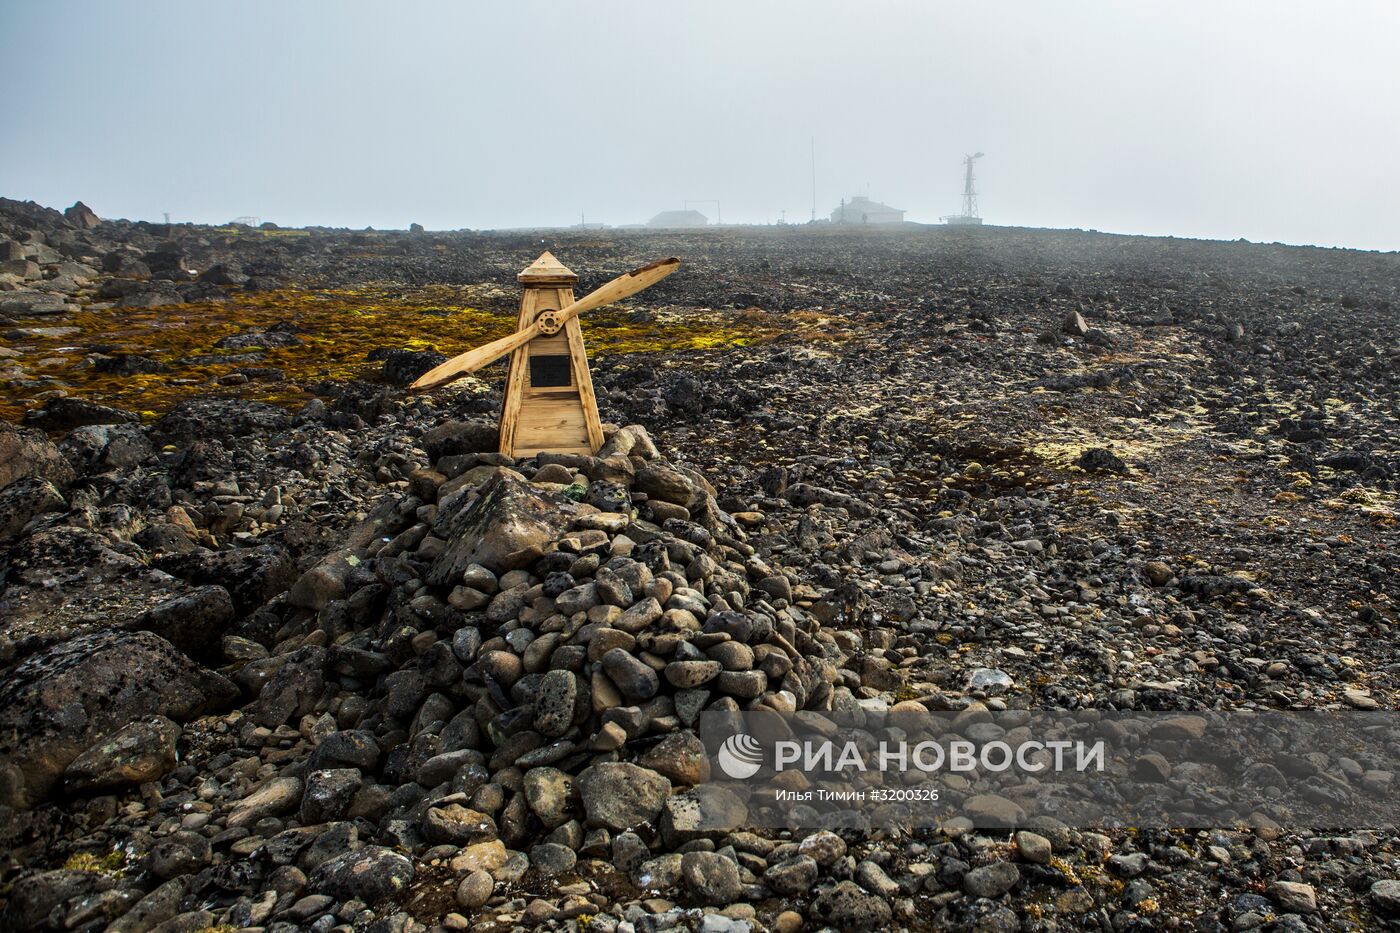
<point x="549" y="403"/>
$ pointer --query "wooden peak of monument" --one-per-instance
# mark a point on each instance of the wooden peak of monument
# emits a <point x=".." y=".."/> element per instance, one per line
<point x="547" y="271"/>
<point x="549" y="402"/>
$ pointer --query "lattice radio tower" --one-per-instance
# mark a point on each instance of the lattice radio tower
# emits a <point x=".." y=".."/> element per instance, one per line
<point x="969" y="205"/>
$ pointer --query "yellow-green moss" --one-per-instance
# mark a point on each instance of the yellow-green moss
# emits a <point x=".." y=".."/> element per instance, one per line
<point x="337" y="329"/>
<point x="112" y="864"/>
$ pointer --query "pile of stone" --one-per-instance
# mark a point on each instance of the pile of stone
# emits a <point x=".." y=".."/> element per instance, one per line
<point x="497" y="675"/>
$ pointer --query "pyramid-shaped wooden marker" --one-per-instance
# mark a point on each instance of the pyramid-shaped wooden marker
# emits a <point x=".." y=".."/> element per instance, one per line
<point x="549" y="402"/>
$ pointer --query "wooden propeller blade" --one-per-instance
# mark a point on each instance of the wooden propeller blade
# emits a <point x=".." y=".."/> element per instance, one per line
<point x="619" y="288"/>
<point x="473" y="360"/>
<point x="624" y="285"/>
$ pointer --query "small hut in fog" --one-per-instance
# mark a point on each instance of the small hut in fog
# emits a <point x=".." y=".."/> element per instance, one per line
<point x="672" y="219"/>
<point x="861" y="210"/>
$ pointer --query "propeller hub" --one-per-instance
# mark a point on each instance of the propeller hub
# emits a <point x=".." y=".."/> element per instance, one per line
<point x="549" y="322"/>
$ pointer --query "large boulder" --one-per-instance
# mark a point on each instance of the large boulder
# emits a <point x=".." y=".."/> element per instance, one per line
<point x="461" y="437"/>
<point x="251" y="575"/>
<point x="62" y="581"/>
<point x="507" y="527"/>
<point x="401" y="367"/>
<point x="139" y="752"/>
<point x="65" y="413"/>
<point x="60" y="702"/>
<point x="621" y="796"/>
<point x="23" y="500"/>
<point x="30" y="453"/>
<point x="32" y="303"/>
<point x="33" y="898"/>
<point x="82" y="216"/>
<point x="371" y="874"/>
<point x="202" y="418"/>
<point x="192" y="622"/>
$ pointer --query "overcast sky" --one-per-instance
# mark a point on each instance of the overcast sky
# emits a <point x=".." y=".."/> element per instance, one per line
<point x="1272" y="120"/>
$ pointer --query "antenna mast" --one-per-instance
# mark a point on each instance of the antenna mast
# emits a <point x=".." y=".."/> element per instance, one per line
<point x="814" y="179"/>
<point x="969" y="190"/>
<point x="719" y="215"/>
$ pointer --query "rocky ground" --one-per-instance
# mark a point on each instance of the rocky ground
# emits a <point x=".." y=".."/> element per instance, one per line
<point x="288" y="647"/>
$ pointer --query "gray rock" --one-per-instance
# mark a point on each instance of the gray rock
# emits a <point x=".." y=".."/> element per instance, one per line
<point x="67" y="413"/>
<point x="619" y="796"/>
<point x="746" y="685"/>
<point x="1033" y="847"/>
<point x="274" y="797"/>
<point x="550" y="793"/>
<point x="1293" y="897"/>
<point x="993" y="812"/>
<point x="252" y="575"/>
<point x="711" y="878"/>
<point x="506" y="527"/>
<point x="551" y="858"/>
<point x="59" y="702"/>
<point x="444" y="767"/>
<point x="138" y="752"/>
<point x="824" y="846"/>
<point x="34" y="897"/>
<point x="371" y="874"/>
<point x="681" y="757"/>
<point x="1128" y="865"/>
<point x="1386" y="895"/>
<point x="24" y="500"/>
<point x="635" y="679"/>
<point x="580" y="598"/>
<point x="457" y="825"/>
<point x="792" y="877"/>
<point x="708" y="809"/>
<point x="845" y="906"/>
<point x="153" y="909"/>
<point x="991" y="880"/>
<point x="191" y="621"/>
<point x="351" y="748"/>
<point x="639" y="616"/>
<point x="30" y="453"/>
<point x="554" y="703"/>
<point x="475" y="889"/>
<point x="873" y="878"/>
<point x="689" y="674"/>
<point x="989" y="681"/>
<point x="661" y="482"/>
<point x="31" y="303"/>
<point x="294" y="689"/>
<point x="328" y="794"/>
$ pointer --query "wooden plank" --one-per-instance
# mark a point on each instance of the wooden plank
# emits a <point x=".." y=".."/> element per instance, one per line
<point x="515" y="377"/>
<point x="548" y="414"/>
<point x="523" y="452"/>
<point x="593" y="426"/>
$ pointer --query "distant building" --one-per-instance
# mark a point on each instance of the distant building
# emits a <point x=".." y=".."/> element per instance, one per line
<point x="691" y="218"/>
<point x="862" y="210"/>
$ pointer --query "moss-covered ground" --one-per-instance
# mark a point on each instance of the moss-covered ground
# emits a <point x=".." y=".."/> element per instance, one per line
<point x="335" y="329"/>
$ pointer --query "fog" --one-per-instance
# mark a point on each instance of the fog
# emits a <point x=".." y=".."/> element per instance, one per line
<point x="1269" y="121"/>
